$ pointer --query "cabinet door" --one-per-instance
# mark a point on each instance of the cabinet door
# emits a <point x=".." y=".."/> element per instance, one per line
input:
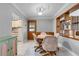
<point x="14" y="47"/>
<point x="10" y="47"/>
<point x="4" y="49"/>
<point x="0" y="50"/>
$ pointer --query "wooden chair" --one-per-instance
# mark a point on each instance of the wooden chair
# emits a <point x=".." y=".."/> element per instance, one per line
<point x="37" y="43"/>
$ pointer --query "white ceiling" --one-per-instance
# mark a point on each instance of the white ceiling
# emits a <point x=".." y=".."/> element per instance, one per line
<point x="30" y="9"/>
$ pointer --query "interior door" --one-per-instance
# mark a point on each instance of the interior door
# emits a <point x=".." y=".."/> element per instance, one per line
<point x="31" y="28"/>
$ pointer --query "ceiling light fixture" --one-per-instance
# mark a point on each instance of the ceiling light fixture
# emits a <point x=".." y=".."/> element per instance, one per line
<point x="40" y="11"/>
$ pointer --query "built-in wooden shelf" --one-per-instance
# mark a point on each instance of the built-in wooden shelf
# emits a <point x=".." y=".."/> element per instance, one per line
<point x="69" y="26"/>
<point x="72" y="38"/>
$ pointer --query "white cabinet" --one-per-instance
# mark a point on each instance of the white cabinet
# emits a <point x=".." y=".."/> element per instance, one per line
<point x="8" y="46"/>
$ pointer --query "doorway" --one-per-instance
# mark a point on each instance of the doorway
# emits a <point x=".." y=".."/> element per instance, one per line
<point x="31" y="28"/>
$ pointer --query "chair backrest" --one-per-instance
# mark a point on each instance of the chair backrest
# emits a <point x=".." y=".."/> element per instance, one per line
<point x="43" y="33"/>
<point x="57" y="35"/>
<point x="34" y="35"/>
<point x="50" y="43"/>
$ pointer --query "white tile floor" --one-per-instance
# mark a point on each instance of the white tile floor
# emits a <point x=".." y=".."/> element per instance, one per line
<point x="27" y="49"/>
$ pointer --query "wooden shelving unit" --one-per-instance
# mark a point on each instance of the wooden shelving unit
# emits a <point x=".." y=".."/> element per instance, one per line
<point x="69" y="26"/>
<point x="58" y="25"/>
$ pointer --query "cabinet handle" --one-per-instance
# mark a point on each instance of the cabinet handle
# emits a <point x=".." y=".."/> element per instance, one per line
<point x="16" y="53"/>
<point x="11" y="48"/>
<point x="8" y="49"/>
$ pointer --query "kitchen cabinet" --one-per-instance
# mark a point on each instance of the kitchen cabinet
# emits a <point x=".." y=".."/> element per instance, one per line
<point x="8" y="46"/>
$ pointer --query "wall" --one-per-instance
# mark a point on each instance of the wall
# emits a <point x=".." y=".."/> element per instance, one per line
<point x="5" y="18"/>
<point x="71" y="45"/>
<point x="54" y="25"/>
<point x="44" y="25"/>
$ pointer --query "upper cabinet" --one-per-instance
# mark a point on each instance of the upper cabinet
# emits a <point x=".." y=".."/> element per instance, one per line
<point x="17" y="23"/>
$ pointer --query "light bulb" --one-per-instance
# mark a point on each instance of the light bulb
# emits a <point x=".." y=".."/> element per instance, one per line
<point x="40" y="13"/>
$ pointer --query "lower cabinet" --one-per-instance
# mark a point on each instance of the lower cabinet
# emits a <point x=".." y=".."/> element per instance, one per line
<point x="8" y="46"/>
<point x="14" y="47"/>
<point x="4" y="49"/>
